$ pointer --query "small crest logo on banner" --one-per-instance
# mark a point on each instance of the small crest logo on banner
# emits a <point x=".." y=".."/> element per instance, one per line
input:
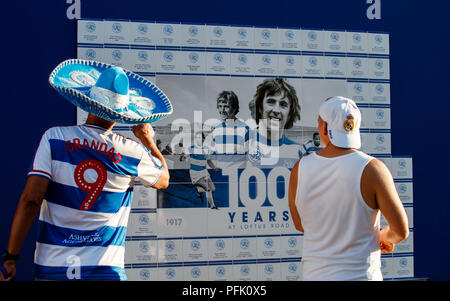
<point x="334" y="37"/>
<point x="292" y="242"/>
<point x="358" y="88"/>
<point x="242" y="59"/>
<point x="193" y="57"/>
<point x="195" y="273"/>
<point x="268" y="269"/>
<point x="265" y="34"/>
<point x="144" y="274"/>
<point x="90" y="26"/>
<point x="290" y="60"/>
<point x="218" y="32"/>
<point x="193" y="31"/>
<point x="220" y="271"/>
<point x="242" y="33"/>
<point x="312" y="36"/>
<point x="142" y="28"/>
<point x="289" y="34"/>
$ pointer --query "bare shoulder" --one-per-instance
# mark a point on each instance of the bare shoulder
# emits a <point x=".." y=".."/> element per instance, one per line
<point x="375" y="176"/>
<point x="376" y="170"/>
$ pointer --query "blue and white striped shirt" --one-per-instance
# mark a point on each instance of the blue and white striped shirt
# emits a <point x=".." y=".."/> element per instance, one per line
<point x="231" y="138"/>
<point x="198" y="157"/>
<point x="264" y="151"/>
<point x="84" y="216"/>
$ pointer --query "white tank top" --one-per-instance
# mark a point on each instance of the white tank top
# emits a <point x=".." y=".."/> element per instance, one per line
<point x="341" y="238"/>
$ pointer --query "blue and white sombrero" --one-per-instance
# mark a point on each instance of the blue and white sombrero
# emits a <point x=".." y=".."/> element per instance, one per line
<point x="110" y="92"/>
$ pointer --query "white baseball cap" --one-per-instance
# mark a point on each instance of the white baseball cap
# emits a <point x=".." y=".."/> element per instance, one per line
<point x="343" y="120"/>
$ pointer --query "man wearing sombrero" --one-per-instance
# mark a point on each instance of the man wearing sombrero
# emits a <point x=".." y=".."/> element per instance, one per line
<point x="86" y="174"/>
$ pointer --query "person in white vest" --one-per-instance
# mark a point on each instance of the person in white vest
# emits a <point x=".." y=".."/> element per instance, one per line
<point x="335" y="198"/>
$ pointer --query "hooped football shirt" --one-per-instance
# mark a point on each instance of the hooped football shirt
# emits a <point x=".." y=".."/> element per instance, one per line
<point x="84" y="215"/>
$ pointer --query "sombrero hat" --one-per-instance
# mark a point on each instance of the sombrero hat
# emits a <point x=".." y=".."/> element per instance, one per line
<point x="110" y="92"/>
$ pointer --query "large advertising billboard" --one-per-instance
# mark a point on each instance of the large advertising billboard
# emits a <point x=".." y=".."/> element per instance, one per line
<point x="245" y="107"/>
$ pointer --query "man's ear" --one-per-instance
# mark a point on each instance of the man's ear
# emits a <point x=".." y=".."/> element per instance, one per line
<point x="325" y="128"/>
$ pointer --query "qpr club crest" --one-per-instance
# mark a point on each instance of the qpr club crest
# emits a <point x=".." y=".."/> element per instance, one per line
<point x="289" y="34"/>
<point x="245" y="244"/>
<point x="144" y="247"/>
<point x="144" y="220"/>
<point x="268" y="243"/>
<point x="218" y="32"/>
<point x="357" y="63"/>
<point x="143" y="56"/>
<point x="334" y="37"/>
<point x="170" y="246"/>
<point x="380" y="139"/>
<point x="220" y="271"/>
<point x="266" y="59"/>
<point x="255" y="154"/>
<point x="242" y="59"/>
<point x="402" y="188"/>
<point x="218" y="58"/>
<point x="379" y="64"/>
<point x="193" y="57"/>
<point x="117" y="27"/>
<point x="193" y="31"/>
<point x="379" y="89"/>
<point x="403" y="262"/>
<point x="292" y="242"/>
<point x="170" y="273"/>
<point x="142" y="28"/>
<point x="312" y="61"/>
<point x="220" y="244"/>
<point x="195" y="245"/>
<point x="402" y="164"/>
<point x="168" y="56"/>
<point x="195" y="273"/>
<point x="242" y="33"/>
<point x="265" y="34"/>
<point x="90" y="27"/>
<point x="268" y="269"/>
<point x="335" y="62"/>
<point x="380" y="114"/>
<point x="358" y="88"/>
<point x="312" y="36"/>
<point x="357" y="38"/>
<point x="168" y="30"/>
<point x="90" y="54"/>
<point x="349" y="123"/>
<point x="117" y="55"/>
<point x="290" y="60"/>
<point x="378" y="39"/>
<point x="292" y="268"/>
<point x="245" y="270"/>
<point x="144" y="274"/>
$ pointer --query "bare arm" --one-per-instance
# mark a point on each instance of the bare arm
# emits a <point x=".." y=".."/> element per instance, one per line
<point x="210" y="163"/>
<point x="378" y="190"/>
<point x="293" y="181"/>
<point x="29" y="204"/>
<point x="145" y="133"/>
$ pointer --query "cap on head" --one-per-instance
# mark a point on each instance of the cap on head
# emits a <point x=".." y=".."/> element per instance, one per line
<point x="343" y="120"/>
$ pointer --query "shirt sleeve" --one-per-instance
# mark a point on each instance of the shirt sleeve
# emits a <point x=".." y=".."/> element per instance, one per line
<point x="149" y="169"/>
<point x="42" y="161"/>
